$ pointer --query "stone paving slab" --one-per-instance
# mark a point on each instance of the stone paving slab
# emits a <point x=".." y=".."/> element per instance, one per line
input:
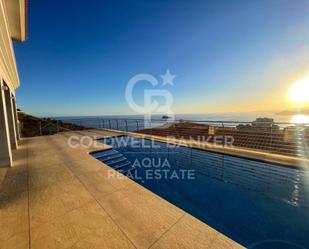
<point x="58" y="197"/>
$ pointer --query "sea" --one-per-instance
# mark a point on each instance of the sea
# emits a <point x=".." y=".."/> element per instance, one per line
<point x="136" y="122"/>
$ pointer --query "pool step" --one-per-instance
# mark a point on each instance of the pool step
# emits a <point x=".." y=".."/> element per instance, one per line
<point x="112" y="158"/>
<point x="113" y="163"/>
<point x="122" y="165"/>
<point x="107" y="157"/>
<point x="103" y="154"/>
<point x="116" y="160"/>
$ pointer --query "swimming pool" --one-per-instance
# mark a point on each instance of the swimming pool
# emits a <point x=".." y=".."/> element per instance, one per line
<point x="257" y="204"/>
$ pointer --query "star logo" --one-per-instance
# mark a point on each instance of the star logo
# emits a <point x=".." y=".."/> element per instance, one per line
<point x="168" y="78"/>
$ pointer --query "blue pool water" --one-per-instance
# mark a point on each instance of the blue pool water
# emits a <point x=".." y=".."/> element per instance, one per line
<point x="257" y="204"/>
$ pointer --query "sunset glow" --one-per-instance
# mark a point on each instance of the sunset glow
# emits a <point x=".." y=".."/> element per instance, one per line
<point x="299" y="92"/>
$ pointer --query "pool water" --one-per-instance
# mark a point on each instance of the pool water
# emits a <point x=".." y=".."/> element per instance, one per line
<point x="257" y="204"/>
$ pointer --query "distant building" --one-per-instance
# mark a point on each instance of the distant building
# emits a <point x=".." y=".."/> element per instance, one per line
<point x="260" y="124"/>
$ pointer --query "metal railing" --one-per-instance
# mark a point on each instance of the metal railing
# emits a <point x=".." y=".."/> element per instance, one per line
<point x="30" y="127"/>
<point x="116" y="123"/>
<point x="264" y="135"/>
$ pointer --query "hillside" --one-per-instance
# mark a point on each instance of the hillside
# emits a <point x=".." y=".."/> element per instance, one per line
<point x="293" y="112"/>
<point x="33" y="126"/>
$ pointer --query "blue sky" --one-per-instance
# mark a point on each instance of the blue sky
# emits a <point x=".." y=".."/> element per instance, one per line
<point x="227" y="55"/>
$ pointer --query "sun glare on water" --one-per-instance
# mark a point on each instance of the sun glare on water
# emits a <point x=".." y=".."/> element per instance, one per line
<point x="299" y="92"/>
<point x="300" y="119"/>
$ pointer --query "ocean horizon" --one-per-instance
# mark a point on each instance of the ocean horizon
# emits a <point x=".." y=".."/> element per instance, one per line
<point x="240" y="117"/>
<point x="136" y="122"/>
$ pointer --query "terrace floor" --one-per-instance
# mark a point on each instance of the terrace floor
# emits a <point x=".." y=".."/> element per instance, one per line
<point x="59" y="197"/>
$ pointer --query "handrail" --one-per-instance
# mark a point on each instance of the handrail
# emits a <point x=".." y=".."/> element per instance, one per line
<point x="285" y="138"/>
<point x="179" y="120"/>
<point x="218" y="122"/>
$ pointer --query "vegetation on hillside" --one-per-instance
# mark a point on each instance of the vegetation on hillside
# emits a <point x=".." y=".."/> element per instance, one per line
<point x="33" y="126"/>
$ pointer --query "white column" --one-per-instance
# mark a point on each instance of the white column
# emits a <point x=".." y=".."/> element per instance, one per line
<point x="5" y="144"/>
<point x="16" y="118"/>
<point x="11" y="118"/>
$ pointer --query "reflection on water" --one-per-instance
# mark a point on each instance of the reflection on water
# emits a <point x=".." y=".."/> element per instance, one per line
<point x="300" y="119"/>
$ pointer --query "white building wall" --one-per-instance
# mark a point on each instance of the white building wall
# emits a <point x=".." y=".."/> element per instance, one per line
<point x="9" y="81"/>
<point x="7" y="56"/>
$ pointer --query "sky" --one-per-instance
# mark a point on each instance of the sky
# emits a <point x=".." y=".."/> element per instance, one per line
<point x="228" y="56"/>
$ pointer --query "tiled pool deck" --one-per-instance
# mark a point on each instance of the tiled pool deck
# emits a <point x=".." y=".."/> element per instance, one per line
<point x="58" y="197"/>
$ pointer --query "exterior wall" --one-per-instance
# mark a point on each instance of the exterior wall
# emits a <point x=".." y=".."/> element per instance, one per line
<point x="9" y="80"/>
<point x="8" y="67"/>
<point x="16" y="118"/>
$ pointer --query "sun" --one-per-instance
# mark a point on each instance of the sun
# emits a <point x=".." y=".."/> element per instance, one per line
<point x="299" y="92"/>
